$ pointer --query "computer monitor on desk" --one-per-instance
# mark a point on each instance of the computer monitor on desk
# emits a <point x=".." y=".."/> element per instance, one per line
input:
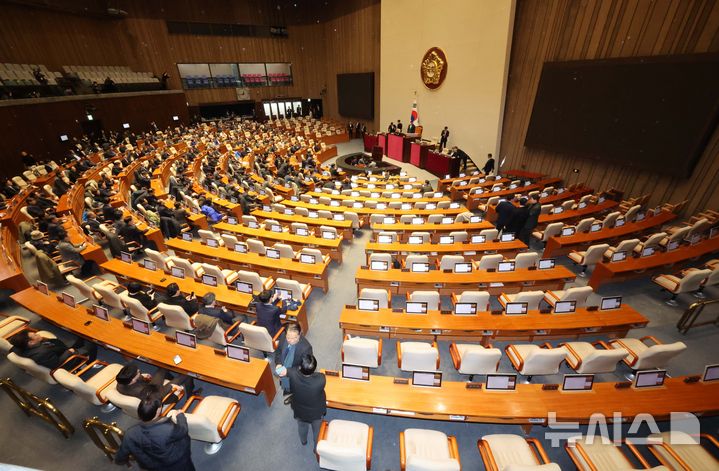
<point x="209" y="280"/>
<point x="420" y="267"/>
<point x="415" y="240"/>
<point x="513" y="309"/>
<point x="149" y="264"/>
<point x="479" y="239"/>
<point x="101" y="312"/>
<point x="501" y="382"/>
<point x="236" y="352"/>
<point x="546" y="264"/>
<point x="243" y="287"/>
<point x="577" y="382"/>
<point x="711" y="373"/>
<point x="307" y="258"/>
<point x="379" y="265"/>
<point x="619" y="256"/>
<point x="272" y="253"/>
<point x="463" y="267"/>
<point x="465" y="309"/>
<point x="649" y="378"/>
<point x="186" y="339"/>
<point x="428" y="379"/>
<point x="414" y="307"/>
<point x="364" y="304"/>
<point x="565" y="307"/>
<point x="355" y="372"/>
<point x="141" y="326"/>
<point x="384" y="239"/>
<point x="446" y="239"/>
<point x="126" y="257"/>
<point x="610" y="302"/>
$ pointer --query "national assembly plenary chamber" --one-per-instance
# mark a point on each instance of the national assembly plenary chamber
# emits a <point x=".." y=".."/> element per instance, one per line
<point x="406" y="235"/>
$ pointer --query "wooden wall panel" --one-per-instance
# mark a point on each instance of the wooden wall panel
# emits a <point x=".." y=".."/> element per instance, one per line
<point x="563" y="30"/>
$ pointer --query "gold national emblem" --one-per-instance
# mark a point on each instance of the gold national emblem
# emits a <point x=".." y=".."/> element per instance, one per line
<point x="434" y="68"/>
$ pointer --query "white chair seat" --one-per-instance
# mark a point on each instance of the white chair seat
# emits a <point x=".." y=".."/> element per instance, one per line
<point x="428" y="450"/>
<point x="344" y="447"/>
<point x="593" y="360"/>
<point x="513" y="452"/>
<point x="361" y="351"/>
<point x="687" y="448"/>
<point x="602" y="456"/>
<point x="576" y="257"/>
<point x="210" y="409"/>
<point x="668" y="282"/>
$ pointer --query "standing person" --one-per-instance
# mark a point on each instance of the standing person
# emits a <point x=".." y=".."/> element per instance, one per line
<point x="443" y="137"/>
<point x="533" y="210"/>
<point x="399" y="126"/>
<point x="489" y="166"/>
<point x="157" y="443"/>
<point x="392" y="128"/>
<point x="268" y="313"/>
<point x="289" y="354"/>
<point x="309" y="401"/>
<point x="516" y="223"/>
<point x="505" y="210"/>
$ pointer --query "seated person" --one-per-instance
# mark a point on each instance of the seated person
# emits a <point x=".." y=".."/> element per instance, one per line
<point x="147" y="299"/>
<point x="209" y="307"/>
<point x="132" y="382"/>
<point x="268" y="313"/>
<point x="211" y="213"/>
<point x="174" y="297"/>
<point x="50" y="353"/>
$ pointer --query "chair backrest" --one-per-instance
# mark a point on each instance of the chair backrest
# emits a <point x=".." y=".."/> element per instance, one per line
<point x="324" y="214"/>
<point x="159" y="259"/>
<point x="601" y="361"/>
<point x="579" y="294"/>
<point x="137" y="310"/>
<point x="361" y="351"/>
<point x="490" y="261"/>
<point x="204" y="422"/>
<point x="610" y="219"/>
<point x="314" y="252"/>
<point x="532" y="298"/>
<point x="285" y="250"/>
<point x="479" y="297"/>
<point x="526" y="260"/>
<point x="293" y="285"/>
<point x="551" y="230"/>
<point x="251" y="277"/>
<point x="215" y="271"/>
<point x="693" y="280"/>
<point x="459" y="236"/>
<point x="543" y="361"/>
<point x="205" y="235"/>
<point x="255" y="246"/>
<point x="257" y="337"/>
<point x="229" y="239"/>
<point x="49" y="191"/>
<point x="654" y="239"/>
<point x="546" y="209"/>
<point x="585" y="224"/>
<point x="464" y="217"/>
<point x="128" y="404"/>
<point x="434" y="218"/>
<point x="175" y="316"/>
<point x="185" y="265"/>
<point x="447" y="262"/>
<point x="302" y="211"/>
<point x="713" y="278"/>
<point x="430" y="297"/>
<point x="298" y="225"/>
<point x="406" y="218"/>
<point x="31" y="368"/>
<point x="658" y="356"/>
<point x="489" y="234"/>
<point x="247" y="219"/>
<point x="109" y="296"/>
<point x="437" y="458"/>
<point x="627" y="245"/>
<point x="380" y="257"/>
<point x="379" y="294"/>
<point x="376" y="218"/>
<point x="594" y="254"/>
<point x="19" y="182"/>
<point x="415" y="258"/>
<point x="698" y="227"/>
<point x="354" y="217"/>
<point x="424" y="235"/>
<point x="418" y="356"/>
<point x="81" y="286"/>
<point x="631" y="213"/>
<point x="30" y="248"/>
<point x="480" y="360"/>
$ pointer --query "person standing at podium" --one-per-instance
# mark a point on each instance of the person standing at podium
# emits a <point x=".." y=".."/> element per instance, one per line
<point x="443" y="136"/>
<point x="411" y="128"/>
<point x="399" y="126"/>
<point x="392" y="128"/>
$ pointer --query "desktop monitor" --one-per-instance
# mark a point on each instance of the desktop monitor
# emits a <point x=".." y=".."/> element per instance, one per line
<point x="430" y="206"/>
<point x="479" y="239"/>
<point x="357" y="205"/>
<point x="101" y="312"/>
<point x="301" y="231"/>
<point x="640" y="217"/>
<point x="64" y="138"/>
<point x="334" y="203"/>
<point x="619" y="256"/>
<point x="294" y="198"/>
<point x="463" y="267"/>
<point x="266" y="208"/>
<point x="379" y="265"/>
<point x="354" y="193"/>
<point x="212" y="243"/>
<point x="415" y="307"/>
<point x="186" y="339"/>
<point x="619" y="222"/>
<point x="514" y="309"/>
<point x="379" y="205"/>
<point x="446" y="239"/>
<point x="430" y="379"/>
<point x="364" y="304"/>
<point x="475" y="219"/>
<point x="595" y="227"/>
<point x="329" y="235"/>
<point x="673" y="245"/>
<point x="338" y="217"/>
<point x="149" y="264"/>
<point x="126" y="257"/>
<point x="141" y="326"/>
<point x="465" y="309"/>
<point x="68" y="299"/>
<point x="611" y="302"/>
<point x="582" y="205"/>
<point x="577" y="382"/>
<point x="307" y="258"/>
<point x="557" y="210"/>
<point x="418" y="220"/>
<point x="505" y="266"/>
<point x="711" y="373"/>
<point x="252" y="224"/>
<point x="501" y="382"/>
<point x="244" y="287"/>
<point x="272" y="253"/>
<point x="177" y="272"/>
<point x="568" y="231"/>
<point x="42" y="287"/>
<point x="289" y="211"/>
<point x="356" y="372"/>
<point x="241" y="247"/>
<point x="438" y="194"/>
<point x="231" y="220"/>
<point x="447" y="220"/>
<point x="647" y="251"/>
<point x="415" y="240"/>
<point x="283" y="293"/>
<point x="509" y="237"/>
<point x="236" y="352"/>
<point x="388" y="221"/>
<point x="406" y="206"/>
<point x="546" y="264"/>
<point x="565" y="307"/>
<point x="420" y="267"/>
<point x="187" y="237"/>
<point x="453" y="205"/>
<point x="275" y="228"/>
<point x="384" y="239"/>
<point x="650" y="378"/>
<point x="415" y="196"/>
<point x="209" y="280"/>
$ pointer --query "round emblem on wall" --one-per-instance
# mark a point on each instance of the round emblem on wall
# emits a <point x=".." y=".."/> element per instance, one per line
<point x="434" y="68"/>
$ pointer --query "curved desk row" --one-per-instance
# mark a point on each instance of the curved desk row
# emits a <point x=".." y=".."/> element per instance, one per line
<point x="436" y="251"/>
<point x="370" y="211"/>
<point x="463" y="187"/>
<point x="380" y="199"/>
<point x="344" y="226"/>
<point x="474" y="199"/>
<point x="404" y="229"/>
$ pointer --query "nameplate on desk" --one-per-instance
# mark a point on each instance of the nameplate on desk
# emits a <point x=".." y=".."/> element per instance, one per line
<point x="443" y="312"/>
<point x="436" y="331"/>
<point x="379" y="410"/>
<point x="473" y="385"/>
<point x="219" y="352"/>
<point x="127" y="325"/>
<point x="170" y="339"/>
<point x="400" y="381"/>
<point x="540" y="332"/>
<point x="496" y="312"/>
<point x="384" y="329"/>
<point x="470" y="252"/>
<point x="350" y="306"/>
<point x="623" y="385"/>
<point x="438" y="285"/>
<point x="402" y="412"/>
<point x="692" y="379"/>
<point x="496" y="285"/>
<point x="592" y="308"/>
<point x="332" y="373"/>
<point x="458" y="418"/>
<point x="591" y="329"/>
<point x="394" y="283"/>
<point x="550" y="387"/>
<point x="489" y="332"/>
<point x="536" y="420"/>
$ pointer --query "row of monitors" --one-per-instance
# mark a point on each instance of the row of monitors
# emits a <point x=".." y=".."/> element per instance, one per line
<point x="380" y="205"/>
<point x="445" y="239"/>
<point x="508" y="382"/>
<point x="301" y="231"/>
<point x="673" y="245"/>
<point x="242" y="248"/>
<point x="461" y="267"/>
<point x="470" y="309"/>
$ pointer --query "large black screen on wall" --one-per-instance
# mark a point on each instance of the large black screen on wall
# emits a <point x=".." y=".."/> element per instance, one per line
<point x="355" y="94"/>
<point x="653" y="113"/>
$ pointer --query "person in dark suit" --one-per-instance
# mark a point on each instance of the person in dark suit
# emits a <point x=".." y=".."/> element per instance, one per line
<point x="399" y="125"/>
<point x="157" y="443"/>
<point x="392" y="128"/>
<point x="489" y="165"/>
<point x="268" y="313"/>
<point x="289" y="353"/>
<point x="134" y="290"/>
<point x="505" y="210"/>
<point x="533" y="210"/>
<point x="132" y="382"/>
<point x="50" y="353"/>
<point x="174" y="297"/>
<point x="208" y="307"/>
<point x="462" y="155"/>
<point x="443" y="137"/>
<point x="516" y="223"/>
<point x="309" y="402"/>
<point x="411" y="128"/>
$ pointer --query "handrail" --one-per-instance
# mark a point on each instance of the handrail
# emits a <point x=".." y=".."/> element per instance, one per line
<point x="690" y="316"/>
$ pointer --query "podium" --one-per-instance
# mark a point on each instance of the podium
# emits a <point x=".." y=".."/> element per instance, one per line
<point x="382" y="142"/>
<point x="441" y="164"/>
<point x="418" y="154"/>
<point x="398" y="147"/>
<point x="370" y="141"/>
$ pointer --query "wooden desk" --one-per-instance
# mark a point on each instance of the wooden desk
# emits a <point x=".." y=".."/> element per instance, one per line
<point x="232" y="299"/>
<point x="527" y="405"/>
<point x="524" y="174"/>
<point x="434" y="229"/>
<point x="491" y="213"/>
<point x="559" y="245"/>
<point x="370" y="211"/>
<point x="644" y="266"/>
<point x="571" y="215"/>
<point x="436" y="251"/>
<point x="333" y="247"/>
<point x="473" y="200"/>
<point x="485" y="327"/>
<point x="401" y="282"/>
<point x="456" y="191"/>
<point x="379" y="199"/>
<point x="344" y="226"/>
<point x="202" y="363"/>
<point x="445" y="183"/>
<point x="313" y="274"/>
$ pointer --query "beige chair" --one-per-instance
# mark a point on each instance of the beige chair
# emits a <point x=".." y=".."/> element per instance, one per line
<point x="417" y="356"/>
<point x="176" y="317"/>
<point x="285" y="250"/>
<point x="354" y="217"/>
<point x="506" y="452"/>
<point x="631" y="213"/>
<point x="343" y="445"/>
<point x="246" y="219"/>
<point x="229" y="240"/>
<point x="578" y="294"/>
<point x="316" y="253"/>
<point x="193" y="270"/>
<point x="489" y="234"/>
<point x="415" y="258"/>
<point x="644" y="356"/>
<point x="228" y="277"/>
<point x="526" y="260"/>
<point x="300" y="291"/>
<point x="624" y="246"/>
<point x="447" y="262"/>
<point x="678" y="450"/>
<point x="551" y="230"/>
<point x="596" y="454"/>
<point x="92" y="389"/>
<point x="380" y="257"/>
<point x="430" y="297"/>
<point x="129" y="404"/>
<point x="585" y="358"/>
<point x="459" y="236"/>
<point x="691" y="281"/>
<point x="532" y="298"/>
<point x="435" y="218"/>
<point x="255" y="246"/>
<point x="138" y="311"/>
<point x="530" y="360"/>
<point x="678" y="236"/>
<point x="584" y="225"/>
<point x="206" y="235"/>
<point x="382" y="295"/>
<point x="86" y="290"/>
<point x="10" y="326"/>
<point x="110" y="297"/>
<point x="424" y="235"/>
<point x="35" y="370"/>
<point x="299" y="225"/>
<point x="481" y="298"/>
<point x="258" y="282"/>
<point x="471" y="359"/>
<point x="257" y="338"/>
<point x="591" y="256"/>
<point x="362" y="351"/>
<point x="425" y="450"/>
<point x="652" y="241"/>
<point x="329" y="229"/>
<point x="610" y="219"/>
<point x="162" y="261"/>
<point x="210" y="420"/>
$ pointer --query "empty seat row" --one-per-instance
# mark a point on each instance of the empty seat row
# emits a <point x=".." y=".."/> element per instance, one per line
<point x="456" y="263"/>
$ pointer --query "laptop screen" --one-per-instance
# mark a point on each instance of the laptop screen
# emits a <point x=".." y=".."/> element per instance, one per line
<point x="284" y="294"/>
